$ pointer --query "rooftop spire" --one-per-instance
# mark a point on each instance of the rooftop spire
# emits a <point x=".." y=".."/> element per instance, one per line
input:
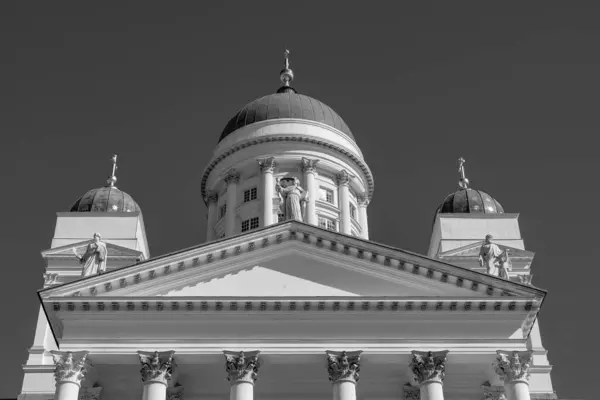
<point x="113" y="178"/>
<point x="286" y="75"/>
<point x="463" y="181"/>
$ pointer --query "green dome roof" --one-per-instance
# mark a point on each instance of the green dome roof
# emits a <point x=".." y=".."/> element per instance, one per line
<point x="105" y="199"/>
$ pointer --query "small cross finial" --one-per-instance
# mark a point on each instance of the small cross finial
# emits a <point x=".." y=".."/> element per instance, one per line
<point x="286" y="75"/>
<point x="463" y="182"/>
<point x="286" y="55"/>
<point x="113" y="178"/>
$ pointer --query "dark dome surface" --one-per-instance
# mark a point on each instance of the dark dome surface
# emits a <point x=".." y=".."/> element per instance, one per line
<point x="470" y="201"/>
<point x="285" y="104"/>
<point x="105" y="199"/>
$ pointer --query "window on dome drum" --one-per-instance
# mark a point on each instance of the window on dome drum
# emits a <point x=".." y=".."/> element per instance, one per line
<point x="326" y="195"/>
<point x="352" y="211"/>
<point x="249" y="224"/>
<point x="327" y="223"/>
<point x="222" y="210"/>
<point x="250" y="194"/>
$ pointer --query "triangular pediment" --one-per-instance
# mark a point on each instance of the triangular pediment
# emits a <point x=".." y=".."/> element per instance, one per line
<point x="113" y="251"/>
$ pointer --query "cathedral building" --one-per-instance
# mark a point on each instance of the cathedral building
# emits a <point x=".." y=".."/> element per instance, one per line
<point x="287" y="297"/>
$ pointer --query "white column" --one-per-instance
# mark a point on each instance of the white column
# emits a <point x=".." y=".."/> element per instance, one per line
<point x="343" y="370"/>
<point x="69" y="373"/>
<point x="231" y="179"/>
<point x="267" y="167"/>
<point x="212" y="199"/>
<point x="242" y="371"/>
<point x="156" y="371"/>
<point x="513" y="369"/>
<point x="428" y="368"/>
<point x="309" y="170"/>
<point x="343" y="181"/>
<point x="363" y="202"/>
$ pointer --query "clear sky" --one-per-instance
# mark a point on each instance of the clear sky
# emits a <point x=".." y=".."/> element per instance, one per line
<point x="513" y="87"/>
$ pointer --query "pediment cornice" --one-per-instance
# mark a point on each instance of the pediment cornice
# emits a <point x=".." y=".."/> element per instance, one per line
<point x="114" y="251"/>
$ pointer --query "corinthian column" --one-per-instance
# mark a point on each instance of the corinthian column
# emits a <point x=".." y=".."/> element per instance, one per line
<point x="211" y="199"/>
<point x="343" y="181"/>
<point x="69" y="373"/>
<point x="156" y="371"/>
<point x="343" y="368"/>
<point x="231" y="179"/>
<point x="267" y="166"/>
<point x="429" y="368"/>
<point x="242" y="371"/>
<point x="309" y="170"/>
<point x="513" y="369"/>
<point x="363" y="202"/>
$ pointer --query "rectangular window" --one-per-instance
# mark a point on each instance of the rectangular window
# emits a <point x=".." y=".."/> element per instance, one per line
<point x="352" y="211"/>
<point x="326" y="195"/>
<point x="250" y="194"/>
<point x="222" y="210"/>
<point x="327" y="223"/>
<point x="249" y="224"/>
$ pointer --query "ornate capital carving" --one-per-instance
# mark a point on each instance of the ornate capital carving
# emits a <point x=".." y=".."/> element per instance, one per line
<point x="343" y="366"/>
<point x="156" y="366"/>
<point x="308" y="165"/>
<point x="232" y="176"/>
<point x="50" y="278"/>
<point x="429" y="365"/>
<point x="343" y="177"/>
<point x="267" y="165"/>
<point x="212" y="197"/>
<point x="493" y="392"/>
<point x="513" y="366"/>
<point x="411" y="392"/>
<point x="241" y="367"/>
<point x="70" y="366"/>
<point x="362" y="200"/>
<point x="175" y="393"/>
<point x="92" y="393"/>
<point x="525" y="279"/>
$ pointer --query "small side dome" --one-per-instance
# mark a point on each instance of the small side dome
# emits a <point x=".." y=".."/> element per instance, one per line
<point x="470" y="201"/>
<point x="105" y="199"/>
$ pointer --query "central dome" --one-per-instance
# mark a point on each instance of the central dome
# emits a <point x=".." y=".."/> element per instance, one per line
<point x="285" y="104"/>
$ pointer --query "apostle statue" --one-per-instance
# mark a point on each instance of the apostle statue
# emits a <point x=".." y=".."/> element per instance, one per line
<point x="495" y="260"/>
<point x="94" y="258"/>
<point x="292" y="198"/>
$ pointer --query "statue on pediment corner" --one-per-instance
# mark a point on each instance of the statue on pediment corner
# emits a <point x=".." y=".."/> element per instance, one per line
<point x="94" y="258"/>
<point x="495" y="260"/>
<point x="292" y="198"/>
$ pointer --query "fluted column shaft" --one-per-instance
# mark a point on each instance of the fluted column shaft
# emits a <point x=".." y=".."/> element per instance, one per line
<point x="429" y="369"/>
<point x="267" y="167"/>
<point x="309" y="170"/>
<point x="212" y="199"/>
<point x="343" y="368"/>
<point x="242" y="372"/>
<point x="231" y="179"/>
<point x="363" y="202"/>
<point x="513" y="369"/>
<point x="343" y="180"/>
<point x="69" y="373"/>
<point x="156" y="371"/>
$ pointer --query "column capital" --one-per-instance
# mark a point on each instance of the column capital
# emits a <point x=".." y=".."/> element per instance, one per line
<point x="362" y="200"/>
<point x="212" y="197"/>
<point x="513" y="365"/>
<point x="175" y="393"/>
<point x="411" y="392"/>
<point x="429" y="365"/>
<point x="241" y="367"/>
<point x="70" y="366"/>
<point x="343" y="366"/>
<point x="308" y="165"/>
<point x="232" y="176"/>
<point x="343" y="177"/>
<point x="156" y="366"/>
<point x="493" y="392"/>
<point x="92" y="393"/>
<point x="266" y="164"/>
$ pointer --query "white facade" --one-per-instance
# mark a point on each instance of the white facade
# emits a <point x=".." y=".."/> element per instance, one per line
<point x="313" y="305"/>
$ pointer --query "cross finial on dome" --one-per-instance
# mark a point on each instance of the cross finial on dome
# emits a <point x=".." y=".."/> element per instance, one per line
<point x="463" y="181"/>
<point x="113" y="178"/>
<point x="286" y="75"/>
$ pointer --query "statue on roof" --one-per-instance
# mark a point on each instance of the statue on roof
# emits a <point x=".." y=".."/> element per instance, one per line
<point x="94" y="258"/>
<point x="495" y="260"/>
<point x="292" y="198"/>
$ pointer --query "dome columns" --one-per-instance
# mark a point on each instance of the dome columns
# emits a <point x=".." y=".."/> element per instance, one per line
<point x="363" y="202"/>
<point x="309" y="171"/>
<point x="267" y="167"/>
<point x="231" y="179"/>
<point x="212" y="198"/>
<point x="343" y="181"/>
